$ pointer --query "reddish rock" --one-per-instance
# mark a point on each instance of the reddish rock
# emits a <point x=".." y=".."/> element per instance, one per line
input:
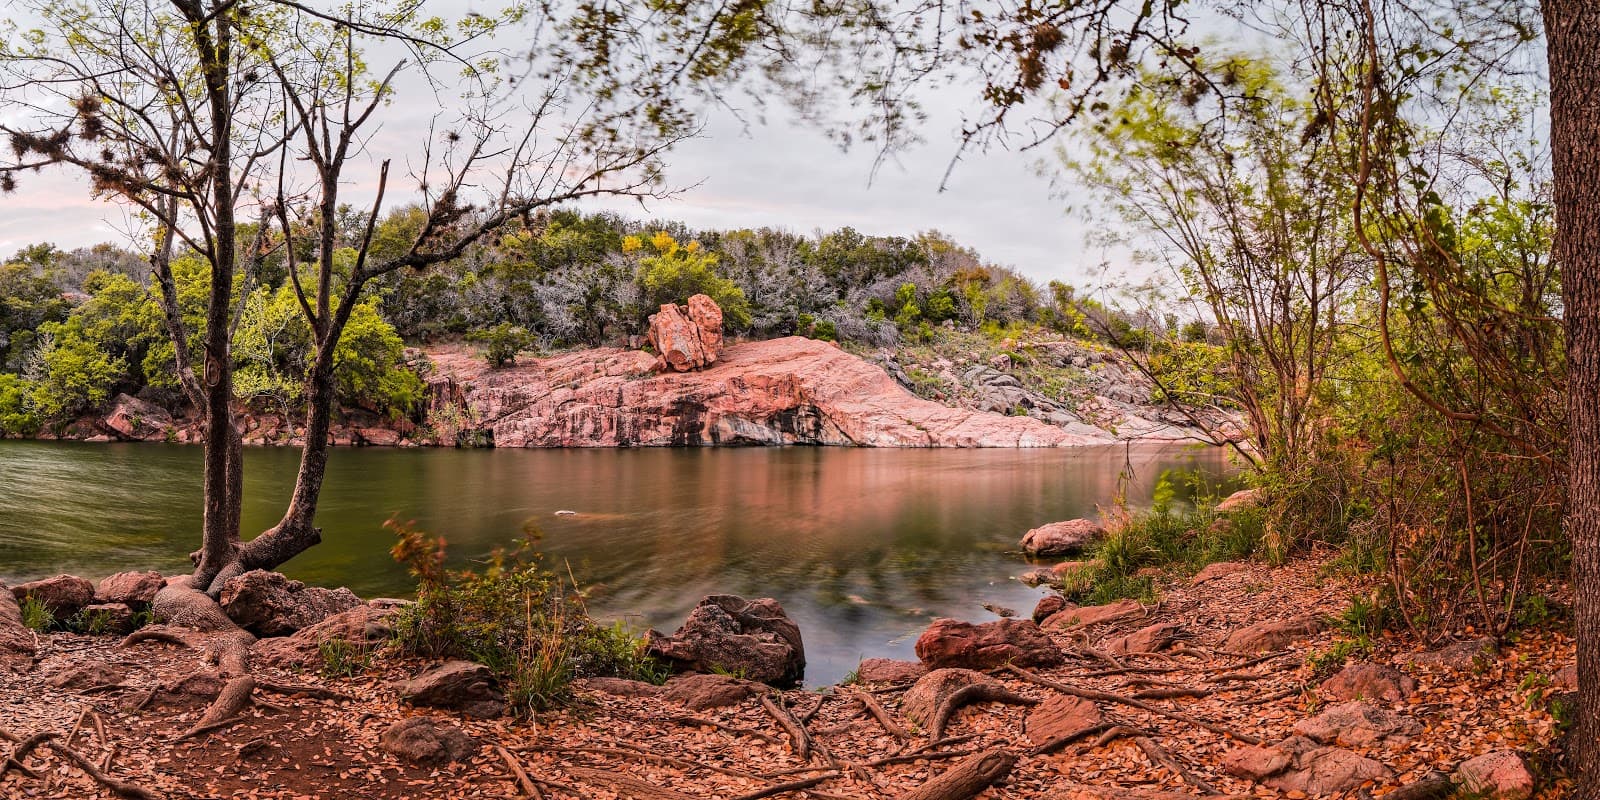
<point x="461" y="686"/>
<point x="1369" y="682"/>
<point x="1079" y="791"/>
<point x="1256" y="762"/>
<point x="106" y="618"/>
<point x="922" y="701"/>
<point x="269" y="604"/>
<point x="776" y="392"/>
<point x="1221" y="569"/>
<point x="85" y="676"/>
<point x="687" y="337"/>
<point x="135" y="589"/>
<point x="64" y="595"/>
<point x="1039" y="576"/>
<point x="1048" y="606"/>
<point x="887" y="670"/>
<point x="1501" y="775"/>
<point x="953" y="643"/>
<point x="16" y="641"/>
<point x="1062" y="538"/>
<point x="135" y="419"/>
<point x="754" y="639"/>
<point x="1149" y="639"/>
<point x="1095" y="615"/>
<point x="1300" y="765"/>
<point x="702" y="692"/>
<point x="1357" y="724"/>
<point x="1272" y="635"/>
<point x="1060" y="715"/>
<point x="427" y="741"/>
<point x="620" y="687"/>
<point x="1474" y="654"/>
<point x="377" y="437"/>
<point x="1067" y="568"/>
<point x="360" y="625"/>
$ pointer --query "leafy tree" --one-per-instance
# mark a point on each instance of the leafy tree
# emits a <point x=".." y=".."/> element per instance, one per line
<point x="502" y="343"/>
<point x="670" y="272"/>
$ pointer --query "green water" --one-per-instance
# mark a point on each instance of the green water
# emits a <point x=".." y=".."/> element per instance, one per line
<point x="862" y="547"/>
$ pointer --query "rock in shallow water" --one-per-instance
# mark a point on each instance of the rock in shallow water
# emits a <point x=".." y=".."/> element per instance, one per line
<point x="752" y="639"/>
<point x="1062" y="538"/>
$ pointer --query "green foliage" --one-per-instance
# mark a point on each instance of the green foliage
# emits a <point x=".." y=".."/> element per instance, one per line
<point x="513" y="616"/>
<point x="36" y="615"/>
<point x="1190" y="373"/>
<point x="502" y="343"/>
<point x="17" y="415"/>
<point x="342" y="658"/>
<point x="367" y="365"/>
<point x="670" y="272"/>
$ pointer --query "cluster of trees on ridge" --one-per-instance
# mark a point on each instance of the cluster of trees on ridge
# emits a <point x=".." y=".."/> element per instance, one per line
<point x="1405" y="268"/>
<point x="77" y="327"/>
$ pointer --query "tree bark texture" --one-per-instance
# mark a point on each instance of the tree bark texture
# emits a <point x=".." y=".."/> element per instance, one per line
<point x="1572" y="29"/>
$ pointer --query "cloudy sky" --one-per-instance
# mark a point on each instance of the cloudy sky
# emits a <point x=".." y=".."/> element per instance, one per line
<point x="778" y="174"/>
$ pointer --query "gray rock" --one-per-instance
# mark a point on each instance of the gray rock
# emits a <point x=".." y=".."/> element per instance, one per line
<point x="269" y="604"/>
<point x="428" y="741"/>
<point x="753" y="639"/>
<point x="461" y="686"/>
<point x="702" y="692"/>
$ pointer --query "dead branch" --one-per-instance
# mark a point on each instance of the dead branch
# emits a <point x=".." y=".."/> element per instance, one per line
<point x="529" y="788"/>
<point x="1107" y="697"/>
<point x="1055" y="745"/>
<point x="116" y="787"/>
<point x="1159" y="754"/>
<point x="882" y="715"/>
<point x="235" y="695"/>
<point x="968" y="778"/>
<point x="733" y="729"/>
<point x="799" y="740"/>
<point x="791" y="786"/>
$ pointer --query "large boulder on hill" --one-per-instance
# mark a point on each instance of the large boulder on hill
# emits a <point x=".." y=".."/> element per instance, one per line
<point x="134" y="589"/>
<point x="64" y="595"/>
<point x="427" y="741"/>
<point x="687" y="337"/>
<point x="463" y="686"/>
<point x="1273" y="634"/>
<point x="753" y="639"/>
<point x="953" y="643"/>
<point x="362" y="625"/>
<point x="132" y="418"/>
<point x="16" y="641"/>
<point x="1062" y="538"/>
<point x="269" y="604"/>
<point x="1369" y="682"/>
<point x="1500" y="775"/>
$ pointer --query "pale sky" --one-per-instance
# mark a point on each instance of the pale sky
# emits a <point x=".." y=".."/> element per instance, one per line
<point x="779" y="174"/>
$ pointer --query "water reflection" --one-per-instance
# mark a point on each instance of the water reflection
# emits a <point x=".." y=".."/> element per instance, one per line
<point x="861" y="546"/>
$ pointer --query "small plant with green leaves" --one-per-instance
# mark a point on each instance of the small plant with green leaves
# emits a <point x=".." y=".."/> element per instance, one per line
<point x="342" y="658"/>
<point x="93" y="622"/>
<point x="520" y="620"/>
<point x="36" y="615"/>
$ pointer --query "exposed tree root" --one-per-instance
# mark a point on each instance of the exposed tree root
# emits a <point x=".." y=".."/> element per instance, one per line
<point x="116" y="787"/>
<point x="1108" y="697"/>
<point x="624" y="785"/>
<point x="182" y="637"/>
<point x="966" y="779"/>
<point x="1056" y="744"/>
<point x="732" y="729"/>
<point x="882" y="715"/>
<point x="1170" y="692"/>
<point x="528" y="787"/>
<point x="975" y="693"/>
<point x="234" y="697"/>
<point x="1159" y="755"/>
<point x="799" y="740"/>
<point x="791" y="786"/>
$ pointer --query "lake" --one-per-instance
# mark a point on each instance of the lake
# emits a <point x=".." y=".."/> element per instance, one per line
<point x="863" y="547"/>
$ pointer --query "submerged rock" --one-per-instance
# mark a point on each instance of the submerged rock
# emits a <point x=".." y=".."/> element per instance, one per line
<point x="752" y="639"/>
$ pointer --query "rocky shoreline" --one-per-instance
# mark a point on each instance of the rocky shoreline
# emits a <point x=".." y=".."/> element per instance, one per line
<point x="1223" y="689"/>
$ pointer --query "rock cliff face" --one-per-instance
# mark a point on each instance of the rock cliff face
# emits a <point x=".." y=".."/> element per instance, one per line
<point x="782" y="391"/>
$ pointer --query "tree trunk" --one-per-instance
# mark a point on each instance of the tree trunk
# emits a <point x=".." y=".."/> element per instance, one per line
<point x="1573" y="48"/>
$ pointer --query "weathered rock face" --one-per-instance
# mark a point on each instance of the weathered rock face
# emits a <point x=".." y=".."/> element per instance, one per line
<point x="458" y="685"/>
<point x="269" y="604"/>
<point x="1501" y="775"/>
<point x="1461" y="656"/>
<point x="1357" y="724"/>
<point x="134" y="419"/>
<point x="135" y="589"/>
<point x="1048" y="606"/>
<point x="85" y="676"/>
<point x="359" y="625"/>
<point x="1149" y="639"/>
<point x="1369" y="682"/>
<point x="687" y="337"/>
<point x="776" y="392"/>
<point x="422" y="740"/>
<point x="1273" y="634"/>
<point x="701" y="692"/>
<point x="888" y="670"/>
<point x="16" y="641"/>
<point x="922" y="701"/>
<point x="1300" y="765"/>
<point x="1083" y="617"/>
<point x="64" y="595"/>
<point x="1062" y="538"/>
<point x="751" y="638"/>
<point x="953" y="643"/>
<point x="1217" y="571"/>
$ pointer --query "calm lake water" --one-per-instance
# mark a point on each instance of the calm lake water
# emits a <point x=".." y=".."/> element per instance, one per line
<point x="862" y="547"/>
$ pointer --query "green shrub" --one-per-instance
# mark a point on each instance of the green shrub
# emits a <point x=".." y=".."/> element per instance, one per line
<point x="36" y="615"/>
<point x="502" y="343"/>
<point x="515" y="617"/>
<point x="342" y="658"/>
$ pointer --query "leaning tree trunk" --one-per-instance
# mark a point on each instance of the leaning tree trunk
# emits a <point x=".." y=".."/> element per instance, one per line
<point x="1573" y="48"/>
